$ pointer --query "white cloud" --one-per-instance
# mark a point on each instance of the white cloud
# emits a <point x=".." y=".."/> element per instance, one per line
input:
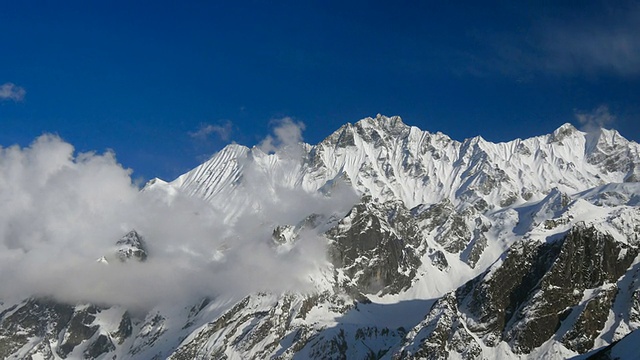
<point x="595" y="119"/>
<point x="287" y="133"/>
<point x="62" y="211"/>
<point x="223" y="131"/>
<point x="10" y="91"/>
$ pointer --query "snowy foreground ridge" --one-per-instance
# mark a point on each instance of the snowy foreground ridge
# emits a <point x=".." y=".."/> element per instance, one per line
<point x="389" y="242"/>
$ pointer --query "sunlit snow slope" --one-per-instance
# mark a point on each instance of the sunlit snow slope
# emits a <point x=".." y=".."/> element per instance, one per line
<point x="388" y="160"/>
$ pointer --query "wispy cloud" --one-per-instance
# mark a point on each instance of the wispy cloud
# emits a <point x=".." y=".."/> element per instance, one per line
<point x="606" y="44"/>
<point x="10" y="91"/>
<point x="594" y="41"/>
<point x="223" y="130"/>
<point x="598" y="118"/>
<point x="287" y="133"/>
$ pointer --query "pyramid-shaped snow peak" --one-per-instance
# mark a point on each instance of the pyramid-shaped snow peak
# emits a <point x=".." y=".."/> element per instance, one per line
<point x="131" y="246"/>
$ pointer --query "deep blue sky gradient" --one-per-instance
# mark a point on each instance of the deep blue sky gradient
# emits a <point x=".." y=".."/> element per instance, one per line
<point x="139" y="77"/>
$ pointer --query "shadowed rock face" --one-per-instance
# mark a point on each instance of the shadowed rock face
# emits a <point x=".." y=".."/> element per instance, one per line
<point x="588" y="259"/>
<point x="376" y="245"/>
<point x="441" y="333"/>
<point x="59" y="325"/>
<point x="31" y="318"/>
<point x="493" y="301"/>
<point x="80" y="329"/>
<point x="590" y="321"/>
<point x="527" y="297"/>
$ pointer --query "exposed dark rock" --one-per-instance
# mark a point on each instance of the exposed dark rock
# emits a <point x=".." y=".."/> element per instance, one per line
<point x="100" y="346"/>
<point x="451" y="230"/>
<point x="375" y="246"/>
<point x="435" y="215"/>
<point x="41" y="318"/>
<point x="494" y="301"/>
<point x="590" y="322"/>
<point x="282" y="234"/>
<point x="457" y="235"/>
<point x="508" y="199"/>
<point x="52" y="323"/>
<point x="439" y="260"/>
<point x="588" y="259"/>
<point x="476" y="247"/>
<point x="80" y="329"/>
<point x="336" y="346"/>
<point x="124" y="329"/>
<point x="346" y="138"/>
<point x="523" y="149"/>
<point x="442" y="332"/>
<point x="131" y="246"/>
<point x="611" y="153"/>
<point x="561" y="133"/>
<point x="554" y="223"/>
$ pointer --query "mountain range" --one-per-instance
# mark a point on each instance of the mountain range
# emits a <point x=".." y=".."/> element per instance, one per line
<point x="428" y="248"/>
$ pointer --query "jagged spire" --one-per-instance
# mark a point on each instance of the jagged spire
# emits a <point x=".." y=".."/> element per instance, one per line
<point x="131" y="246"/>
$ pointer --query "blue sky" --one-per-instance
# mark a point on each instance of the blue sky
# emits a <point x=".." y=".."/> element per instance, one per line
<point x="144" y="77"/>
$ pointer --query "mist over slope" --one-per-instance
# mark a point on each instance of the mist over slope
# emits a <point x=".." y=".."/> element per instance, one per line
<point x="381" y="241"/>
<point x="63" y="211"/>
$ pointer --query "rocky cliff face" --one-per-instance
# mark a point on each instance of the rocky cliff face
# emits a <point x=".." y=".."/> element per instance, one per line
<point x="48" y="329"/>
<point x="467" y="250"/>
<point x="376" y="247"/>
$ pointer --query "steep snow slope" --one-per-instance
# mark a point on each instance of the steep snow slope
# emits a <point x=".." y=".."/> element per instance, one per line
<point x="389" y="160"/>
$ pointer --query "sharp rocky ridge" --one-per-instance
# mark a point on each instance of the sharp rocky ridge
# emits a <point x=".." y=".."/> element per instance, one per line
<point x="471" y="250"/>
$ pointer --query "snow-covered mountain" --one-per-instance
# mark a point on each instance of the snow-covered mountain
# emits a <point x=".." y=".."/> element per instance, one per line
<point x="434" y="249"/>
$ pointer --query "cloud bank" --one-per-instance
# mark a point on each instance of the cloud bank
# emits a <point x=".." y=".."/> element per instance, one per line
<point x="10" y="91"/>
<point x="62" y="211"/>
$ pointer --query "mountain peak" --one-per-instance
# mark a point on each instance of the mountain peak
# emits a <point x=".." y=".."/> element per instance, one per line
<point x="130" y="246"/>
<point x="384" y="122"/>
<point x="564" y="131"/>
